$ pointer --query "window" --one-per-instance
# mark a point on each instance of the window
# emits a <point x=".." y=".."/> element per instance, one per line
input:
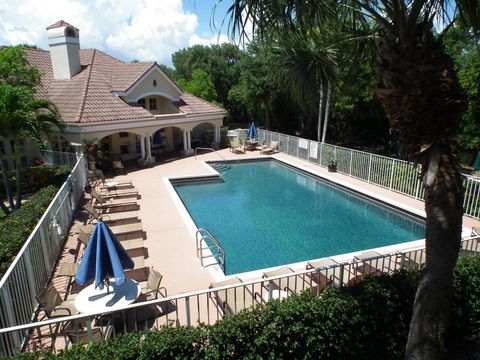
<point x="2" y="147"/>
<point x="141" y="103"/>
<point x="152" y="104"/>
<point x="125" y="149"/>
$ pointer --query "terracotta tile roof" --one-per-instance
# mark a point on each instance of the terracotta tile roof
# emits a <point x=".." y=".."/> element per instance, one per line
<point x="60" y="23"/>
<point x="88" y="97"/>
<point x="190" y="104"/>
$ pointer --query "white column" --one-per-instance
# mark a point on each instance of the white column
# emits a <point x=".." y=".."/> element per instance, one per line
<point x="217" y="134"/>
<point x="189" y="139"/>
<point x="142" y="147"/>
<point x="184" y="132"/>
<point x="149" y="148"/>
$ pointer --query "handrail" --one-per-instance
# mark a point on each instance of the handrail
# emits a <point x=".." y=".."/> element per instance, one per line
<point x="203" y="235"/>
<point x="208" y="149"/>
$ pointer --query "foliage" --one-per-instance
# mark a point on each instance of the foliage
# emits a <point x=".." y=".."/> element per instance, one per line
<point x="465" y="51"/>
<point x="18" y="226"/>
<point x="371" y="317"/>
<point x="200" y="85"/>
<point x="22" y="115"/>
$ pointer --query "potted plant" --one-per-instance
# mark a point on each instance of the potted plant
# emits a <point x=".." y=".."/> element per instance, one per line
<point x="332" y="165"/>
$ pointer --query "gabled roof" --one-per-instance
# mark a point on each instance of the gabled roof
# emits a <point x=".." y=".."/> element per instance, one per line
<point x="89" y="96"/>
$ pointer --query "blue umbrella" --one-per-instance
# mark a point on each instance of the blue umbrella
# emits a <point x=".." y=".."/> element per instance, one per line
<point x="104" y="257"/>
<point x="252" y="131"/>
<point x="476" y="164"/>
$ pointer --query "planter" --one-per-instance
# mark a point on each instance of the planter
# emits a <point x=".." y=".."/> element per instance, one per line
<point x="332" y="168"/>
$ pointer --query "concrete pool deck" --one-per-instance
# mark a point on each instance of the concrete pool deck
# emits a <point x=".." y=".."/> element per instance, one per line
<point x="169" y="242"/>
<point x="170" y="245"/>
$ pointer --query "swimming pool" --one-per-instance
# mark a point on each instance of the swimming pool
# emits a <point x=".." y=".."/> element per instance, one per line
<point x="265" y="213"/>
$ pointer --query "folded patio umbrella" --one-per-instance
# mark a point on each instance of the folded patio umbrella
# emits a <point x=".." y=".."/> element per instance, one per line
<point x="252" y="131"/>
<point x="104" y="257"/>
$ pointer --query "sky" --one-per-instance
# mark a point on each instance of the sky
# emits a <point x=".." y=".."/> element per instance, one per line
<point x="145" y="30"/>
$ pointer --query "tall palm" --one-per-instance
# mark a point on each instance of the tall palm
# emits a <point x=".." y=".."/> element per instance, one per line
<point x="417" y="84"/>
<point x="23" y="117"/>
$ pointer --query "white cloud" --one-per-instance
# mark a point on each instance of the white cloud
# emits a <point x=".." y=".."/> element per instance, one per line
<point x="130" y="29"/>
<point x="215" y="39"/>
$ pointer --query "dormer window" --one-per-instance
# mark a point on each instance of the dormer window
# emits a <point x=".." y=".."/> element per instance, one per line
<point x="141" y="103"/>
<point x="152" y="103"/>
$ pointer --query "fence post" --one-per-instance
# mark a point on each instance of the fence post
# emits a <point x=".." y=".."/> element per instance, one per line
<point x="391" y="174"/>
<point x="417" y="189"/>
<point x="369" y="168"/>
<point x="351" y="162"/>
<point x="288" y="142"/>
<point x="187" y="309"/>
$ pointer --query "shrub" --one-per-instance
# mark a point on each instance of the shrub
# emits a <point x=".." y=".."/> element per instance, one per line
<point x="35" y="178"/>
<point x="368" y="320"/>
<point x="17" y="227"/>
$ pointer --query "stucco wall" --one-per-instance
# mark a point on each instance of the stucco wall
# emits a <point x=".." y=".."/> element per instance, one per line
<point x="145" y="87"/>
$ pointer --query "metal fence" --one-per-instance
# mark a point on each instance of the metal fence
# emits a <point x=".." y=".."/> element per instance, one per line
<point x="58" y="158"/>
<point x="393" y="174"/>
<point x="33" y="266"/>
<point x="208" y="306"/>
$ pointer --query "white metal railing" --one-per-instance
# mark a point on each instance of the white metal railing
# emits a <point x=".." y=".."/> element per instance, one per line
<point x="58" y="158"/>
<point x="210" y="305"/>
<point x="33" y="266"/>
<point x="396" y="175"/>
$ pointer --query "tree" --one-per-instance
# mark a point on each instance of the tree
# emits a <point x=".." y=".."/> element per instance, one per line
<point x="22" y="115"/>
<point x="200" y="85"/>
<point x="417" y="84"/>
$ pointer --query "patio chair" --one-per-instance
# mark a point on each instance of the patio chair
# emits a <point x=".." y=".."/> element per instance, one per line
<point x="373" y="263"/>
<point x="291" y="284"/>
<point x="235" y="146"/>
<point x="233" y="299"/>
<point x="105" y="202"/>
<point x="273" y="148"/>
<point x="113" y="192"/>
<point x="53" y="305"/>
<point x="153" y="288"/>
<point x="324" y="276"/>
<point x="110" y="217"/>
<point x="118" y="167"/>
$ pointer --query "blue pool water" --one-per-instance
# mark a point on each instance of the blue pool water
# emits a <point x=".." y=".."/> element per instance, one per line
<point x="265" y="214"/>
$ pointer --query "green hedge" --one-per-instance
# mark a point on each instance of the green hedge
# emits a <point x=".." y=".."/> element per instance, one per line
<point x="365" y="321"/>
<point x="15" y="230"/>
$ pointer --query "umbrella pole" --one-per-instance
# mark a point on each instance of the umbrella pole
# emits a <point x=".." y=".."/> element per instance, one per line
<point x="107" y="280"/>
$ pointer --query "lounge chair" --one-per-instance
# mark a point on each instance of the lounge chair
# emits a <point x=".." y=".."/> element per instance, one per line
<point x="324" y="276"/>
<point x="111" y="183"/>
<point x="233" y="299"/>
<point x="102" y="201"/>
<point x="235" y="146"/>
<point x="53" y="305"/>
<point x="118" y="167"/>
<point x="130" y="244"/>
<point x="113" y="192"/>
<point x="153" y="288"/>
<point x="110" y="217"/>
<point x="273" y="148"/>
<point x="291" y="284"/>
<point x="373" y="263"/>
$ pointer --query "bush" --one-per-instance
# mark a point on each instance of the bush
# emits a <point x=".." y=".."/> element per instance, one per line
<point x="35" y="178"/>
<point x="16" y="229"/>
<point x="369" y="318"/>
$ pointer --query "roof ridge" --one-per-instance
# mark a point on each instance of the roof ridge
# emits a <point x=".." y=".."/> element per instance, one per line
<point x="87" y="83"/>
<point x="139" y="77"/>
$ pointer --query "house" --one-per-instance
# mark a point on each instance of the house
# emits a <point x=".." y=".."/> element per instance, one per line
<point x="134" y="110"/>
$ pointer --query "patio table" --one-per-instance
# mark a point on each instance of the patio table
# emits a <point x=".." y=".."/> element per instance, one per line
<point x="93" y="299"/>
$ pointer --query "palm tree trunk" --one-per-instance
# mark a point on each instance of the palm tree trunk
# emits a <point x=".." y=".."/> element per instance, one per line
<point x="6" y="184"/>
<point x="420" y="90"/>
<point x="18" y="172"/>
<point x="320" y="113"/>
<point x="327" y="112"/>
<point x="433" y="300"/>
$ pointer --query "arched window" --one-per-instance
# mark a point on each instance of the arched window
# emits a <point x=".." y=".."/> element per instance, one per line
<point x="141" y="103"/>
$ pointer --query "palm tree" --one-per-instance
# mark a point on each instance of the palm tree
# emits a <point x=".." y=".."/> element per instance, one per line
<point x="417" y="84"/>
<point x="23" y="117"/>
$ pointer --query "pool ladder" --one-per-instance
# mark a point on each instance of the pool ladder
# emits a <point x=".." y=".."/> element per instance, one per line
<point x="216" y="251"/>
<point x="220" y="166"/>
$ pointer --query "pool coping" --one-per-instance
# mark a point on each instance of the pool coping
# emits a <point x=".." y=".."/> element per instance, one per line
<point x="216" y="271"/>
